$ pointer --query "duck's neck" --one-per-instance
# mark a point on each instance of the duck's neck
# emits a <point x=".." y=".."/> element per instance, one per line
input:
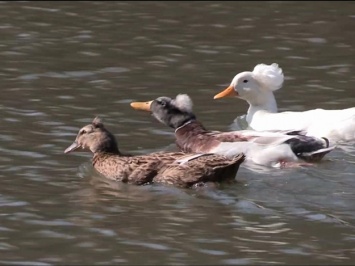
<point x="189" y="136"/>
<point x="185" y="125"/>
<point x="102" y="155"/>
<point x="107" y="146"/>
<point x="264" y="102"/>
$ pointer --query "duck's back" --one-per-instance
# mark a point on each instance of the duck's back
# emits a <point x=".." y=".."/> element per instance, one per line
<point x="337" y="124"/>
<point x="132" y="169"/>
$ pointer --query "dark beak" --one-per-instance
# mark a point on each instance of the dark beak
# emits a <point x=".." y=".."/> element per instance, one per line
<point x="72" y="147"/>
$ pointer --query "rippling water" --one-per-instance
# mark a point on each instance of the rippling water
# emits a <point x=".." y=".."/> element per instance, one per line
<point x="62" y="63"/>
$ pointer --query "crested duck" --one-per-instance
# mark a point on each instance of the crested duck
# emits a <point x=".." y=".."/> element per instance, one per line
<point x="276" y="149"/>
<point x="176" y="168"/>
<point x="257" y="89"/>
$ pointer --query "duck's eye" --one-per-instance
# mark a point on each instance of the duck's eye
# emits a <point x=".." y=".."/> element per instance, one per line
<point x="245" y="81"/>
<point x="162" y="103"/>
<point x="83" y="132"/>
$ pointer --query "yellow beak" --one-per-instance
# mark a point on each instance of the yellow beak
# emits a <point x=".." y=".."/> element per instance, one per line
<point x="143" y="106"/>
<point x="228" y="92"/>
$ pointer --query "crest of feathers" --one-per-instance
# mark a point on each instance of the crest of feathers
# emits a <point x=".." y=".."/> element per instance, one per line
<point x="183" y="102"/>
<point x="270" y="76"/>
<point x="97" y="122"/>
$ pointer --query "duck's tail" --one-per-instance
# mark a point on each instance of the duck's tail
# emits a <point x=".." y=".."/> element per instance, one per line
<point x="310" y="149"/>
<point x="315" y="156"/>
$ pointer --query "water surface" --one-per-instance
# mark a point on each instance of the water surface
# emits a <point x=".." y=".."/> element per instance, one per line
<point x="63" y="63"/>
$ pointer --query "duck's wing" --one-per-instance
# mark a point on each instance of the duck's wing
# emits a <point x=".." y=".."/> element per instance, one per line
<point x="196" y="168"/>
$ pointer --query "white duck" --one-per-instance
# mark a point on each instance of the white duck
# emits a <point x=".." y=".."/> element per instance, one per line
<point x="257" y="88"/>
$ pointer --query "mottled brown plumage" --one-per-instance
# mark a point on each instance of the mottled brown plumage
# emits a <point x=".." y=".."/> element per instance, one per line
<point x="206" y="168"/>
<point x="176" y="168"/>
<point x="193" y="137"/>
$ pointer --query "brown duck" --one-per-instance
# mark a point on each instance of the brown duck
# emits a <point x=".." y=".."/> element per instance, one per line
<point x="276" y="149"/>
<point x="176" y="168"/>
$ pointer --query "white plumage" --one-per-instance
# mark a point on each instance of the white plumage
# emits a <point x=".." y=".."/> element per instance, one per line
<point x="270" y="76"/>
<point x="257" y="88"/>
<point x="183" y="102"/>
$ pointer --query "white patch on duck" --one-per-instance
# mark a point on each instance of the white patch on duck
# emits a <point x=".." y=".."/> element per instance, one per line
<point x="268" y="148"/>
<point x="267" y="155"/>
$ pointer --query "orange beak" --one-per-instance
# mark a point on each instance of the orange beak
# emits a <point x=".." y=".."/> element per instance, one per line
<point x="228" y="92"/>
<point x="143" y="106"/>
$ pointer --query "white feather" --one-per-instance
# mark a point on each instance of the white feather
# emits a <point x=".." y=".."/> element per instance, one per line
<point x="183" y="102"/>
<point x="270" y="76"/>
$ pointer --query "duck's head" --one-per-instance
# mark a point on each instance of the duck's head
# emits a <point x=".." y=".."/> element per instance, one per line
<point x="171" y="112"/>
<point x="253" y="86"/>
<point x="94" y="137"/>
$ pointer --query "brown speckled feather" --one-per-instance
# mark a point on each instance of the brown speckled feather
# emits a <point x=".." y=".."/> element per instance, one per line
<point x="207" y="168"/>
<point x="132" y="169"/>
<point x="193" y="137"/>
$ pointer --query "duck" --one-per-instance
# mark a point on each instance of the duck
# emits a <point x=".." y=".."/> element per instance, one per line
<point x="268" y="148"/>
<point x="174" y="168"/>
<point x="257" y="88"/>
